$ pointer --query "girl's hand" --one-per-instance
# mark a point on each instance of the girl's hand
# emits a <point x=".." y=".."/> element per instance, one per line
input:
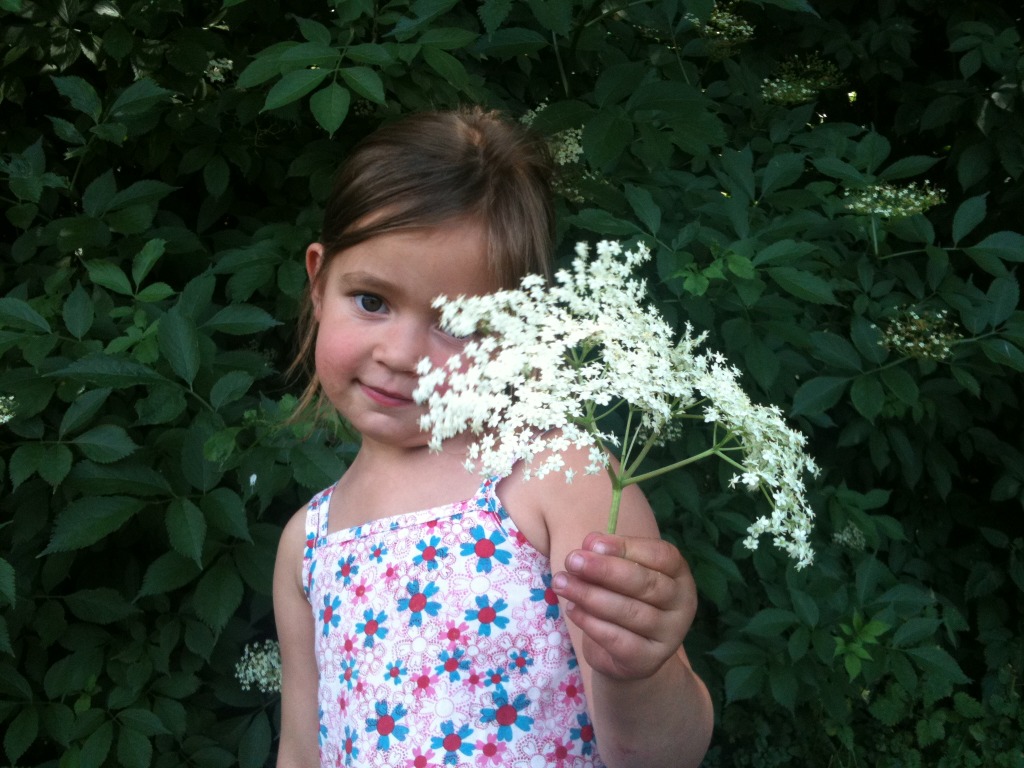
<point x="634" y="599"/>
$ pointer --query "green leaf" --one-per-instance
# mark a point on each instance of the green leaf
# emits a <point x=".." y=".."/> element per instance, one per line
<point x="867" y="396"/>
<point x="254" y="748"/>
<point x="1004" y="297"/>
<point x="818" y="395"/>
<point x="835" y="351"/>
<point x="643" y="205"/>
<point x="743" y="682"/>
<point x="803" y="284"/>
<point x="1005" y="245"/>
<point x="218" y="595"/>
<point x="330" y="107"/>
<point x="133" y="749"/>
<point x="138" y="97"/>
<point x="186" y="527"/>
<point x="225" y="511"/>
<point x="170" y="571"/>
<point x="142" y="720"/>
<point x="969" y="215"/>
<point x="79" y="312"/>
<point x="511" y="42"/>
<point x="229" y="388"/>
<point x="493" y="14"/>
<point x="7" y="582"/>
<point x="901" y="384"/>
<point x="216" y="175"/>
<point x="293" y="86"/>
<point x="97" y="196"/>
<point x="56" y="465"/>
<point x="606" y="136"/>
<point x="99" y="606"/>
<point x="179" y="344"/>
<point x="19" y="314"/>
<point x="448" y="38"/>
<point x="1002" y="352"/>
<point x="109" y="276"/>
<point x="914" y="630"/>
<point x="105" y="443"/>
<point x="81" y="94"/>
<point x="770" y="622"/>
<point x="366" y="82"/>
<point x="782" y="251"/>
<point x="241" y="320"/>
<point x="867" y="338"/>
<point x="21" y="733"/>
<point x="96" y="747"/>
<point x="87" y="520"/>
<point x="906" y="167"/>
<point x="782" y="171"/>
<point x="935" y="661"/>
<point x="447" y="66"/>
<point x="313" y="31"/>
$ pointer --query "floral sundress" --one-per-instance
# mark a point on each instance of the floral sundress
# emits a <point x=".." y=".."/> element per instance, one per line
<point x="440" y="642"/>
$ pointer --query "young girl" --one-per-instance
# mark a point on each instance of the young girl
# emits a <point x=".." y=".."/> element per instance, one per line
<point x="426" y="618"/>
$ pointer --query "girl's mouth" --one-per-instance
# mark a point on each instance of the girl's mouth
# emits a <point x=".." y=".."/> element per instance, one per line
<point x="384" y="397"/>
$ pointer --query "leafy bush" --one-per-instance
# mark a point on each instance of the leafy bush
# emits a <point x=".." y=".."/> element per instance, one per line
<point x="831" y="192"/>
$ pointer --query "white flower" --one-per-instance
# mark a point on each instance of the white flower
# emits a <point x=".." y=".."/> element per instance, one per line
<point x="549" y="363"/>
<point x="260" y="667"/>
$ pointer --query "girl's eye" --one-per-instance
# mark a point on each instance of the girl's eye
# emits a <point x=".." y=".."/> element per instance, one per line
<point x="369" y="303"/>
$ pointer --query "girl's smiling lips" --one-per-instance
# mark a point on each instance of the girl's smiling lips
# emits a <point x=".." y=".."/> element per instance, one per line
<point x="385" y="397"/>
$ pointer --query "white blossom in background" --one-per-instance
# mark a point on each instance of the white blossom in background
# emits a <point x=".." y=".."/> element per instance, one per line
<point x="260" y="667"/>
<point x="545" y="365"/>
<point x="889" y="201"/>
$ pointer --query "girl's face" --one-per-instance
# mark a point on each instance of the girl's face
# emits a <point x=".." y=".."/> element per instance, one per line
<point x="375" y="321"/>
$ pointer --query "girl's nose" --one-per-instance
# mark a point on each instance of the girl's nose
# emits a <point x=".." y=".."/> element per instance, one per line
<point x="402" y="346"/>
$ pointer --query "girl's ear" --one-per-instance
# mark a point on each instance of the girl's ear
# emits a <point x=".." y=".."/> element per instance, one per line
<point x="314" y="263"/>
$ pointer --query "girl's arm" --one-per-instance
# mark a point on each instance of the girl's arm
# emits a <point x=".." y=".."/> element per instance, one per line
<point x="299" y="676"/>
<point x="630" y="600"/>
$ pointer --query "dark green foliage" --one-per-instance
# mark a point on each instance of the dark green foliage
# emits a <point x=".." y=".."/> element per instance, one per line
<point x="831" y="190"/>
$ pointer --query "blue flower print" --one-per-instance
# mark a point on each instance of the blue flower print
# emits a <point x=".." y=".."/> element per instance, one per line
<point x="496" y="677"/>
<point x="349" y="673"/>
<point x="322" y="733"/>
<point x="488" y="615"/>
<point x="395" y="672"/>
<point x="373" y="627"/>
<point x="452" y="664"/>
<point x="507" y="714"/>
<point x="485" y="548"/>
<point x="453" y="742"/>
<point x="486" y="502"/>
<point x="546" y="595"/>
<point x="328" y="613"/>
<point x="521" y="660"/>
<point x="419" y="602"/>
<point x="378" y="552"/>
<point x="346" y="570"/>
<point x="385" y="725"/>
<point x="430" y="553"/>
<point x="584" y="734"/>
<point x="310" y="544"/>
<point x="349" y="746"/>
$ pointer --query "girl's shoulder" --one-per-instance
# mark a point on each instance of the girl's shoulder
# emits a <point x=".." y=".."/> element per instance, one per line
<point x="570" y="498"/>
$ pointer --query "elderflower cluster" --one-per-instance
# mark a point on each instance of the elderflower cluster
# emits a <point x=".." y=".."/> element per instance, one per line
<point x="851" y="537"/>
<point x="567" y="152"/>
<point x="893" y="202"/>
<point x="6" y="408"/>
<point x="216" y="68"/>
<point x="544" y="364"/>
<point x="800" y="79"/>
<point x="260" y="667"/>
<point x="724" y="31"/>
<point x="927" y="335"/>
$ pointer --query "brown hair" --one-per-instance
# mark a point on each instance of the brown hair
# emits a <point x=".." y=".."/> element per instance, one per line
<point x="429" y="168"/>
